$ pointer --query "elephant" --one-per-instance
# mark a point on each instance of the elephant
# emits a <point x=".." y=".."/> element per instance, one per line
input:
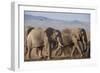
<point x="75" y="34"/>
<point x="75" y="38"/>
<point x="83" y="38"/>
<point x="26" y="32"/>
<point x="79" y="37"/>
<point x="67" y="41"/>
<point x="87" y="51"/>
<point x="54" y="39"/>
<point x="36" y="39"/>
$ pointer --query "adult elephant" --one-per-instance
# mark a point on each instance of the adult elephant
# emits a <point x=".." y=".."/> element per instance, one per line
<point x="74" y="39"/>
<point x="79" y="39"/>
<point x="67" y="41"/>
<point x="36" y="39"/>
<point x="83" y="38"/>
<point x="54" y="39"/>
<point x="27" y="30"/>
<point x="75" y="34"/>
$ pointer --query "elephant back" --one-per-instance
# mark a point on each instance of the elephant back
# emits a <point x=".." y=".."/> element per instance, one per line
<point x="36" y="36"/>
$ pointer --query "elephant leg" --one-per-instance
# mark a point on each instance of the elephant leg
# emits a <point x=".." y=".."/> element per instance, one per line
<point x="61" y="51"/>
<point x="84" y="42"/>
<point x="81" y="45"/>
<point x="57" y="51"/>
<point x="49" y="50"/>
<point x="49" y="54"/>
<point x="25" y="51"/>
<point x="72" y="51"/>
<point x="30" y="53"/>
<point x="40" y="53"/>
<point x="37" y="51"/>
<point x="85" y="46"/>
<point x="79" y="50"/>
<point x="27" y="54"/>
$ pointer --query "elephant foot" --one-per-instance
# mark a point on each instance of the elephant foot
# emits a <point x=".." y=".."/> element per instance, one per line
<point x="48" y="58"/>
<point x="27" y="58"/>
<point x="40" y="57"/>
<point x="71" y="56"/>
<point x="81" y="56"/>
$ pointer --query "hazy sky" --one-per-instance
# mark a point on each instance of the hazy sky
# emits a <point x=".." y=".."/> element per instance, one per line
<point x="61" y="16"/>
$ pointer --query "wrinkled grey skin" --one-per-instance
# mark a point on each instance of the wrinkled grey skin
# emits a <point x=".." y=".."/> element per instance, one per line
<point x="83" y="38"/>
<point x="54" y="39"/>
<point x="76" y="39"/>
<point x="26" y="32"/>
<point x="44" y="41"/>
<point x="48" y="40"/>
<point x="36" y="39"/>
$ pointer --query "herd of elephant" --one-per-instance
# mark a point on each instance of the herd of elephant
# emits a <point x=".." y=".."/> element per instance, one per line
<point x="51" y="41"/>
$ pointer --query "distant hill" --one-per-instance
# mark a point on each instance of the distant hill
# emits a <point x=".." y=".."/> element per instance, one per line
<point x="30" y="17"/>
<point x="44" y="22"/>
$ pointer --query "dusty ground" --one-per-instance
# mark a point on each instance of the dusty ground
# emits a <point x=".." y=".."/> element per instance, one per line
<point x="64" y="55"/>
